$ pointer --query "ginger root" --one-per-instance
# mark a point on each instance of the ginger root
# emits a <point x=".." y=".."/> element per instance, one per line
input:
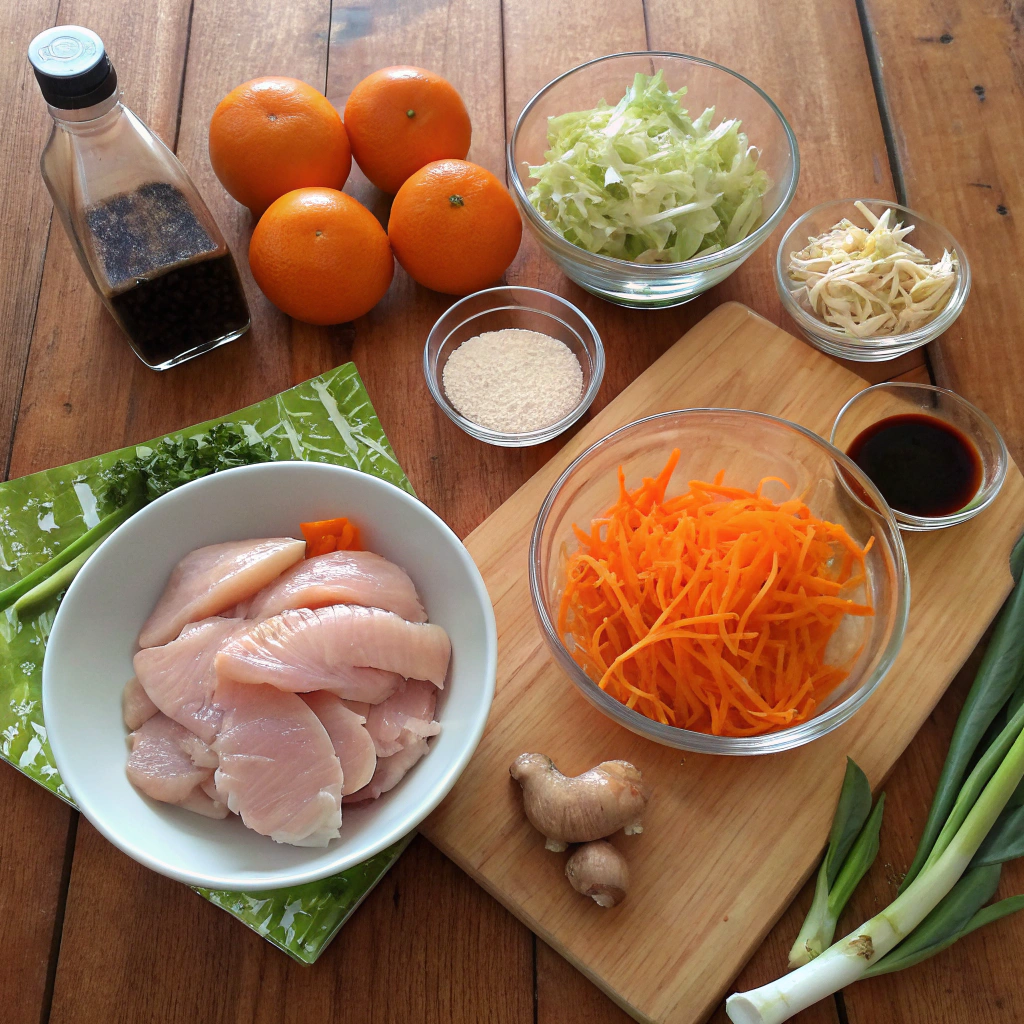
<point x="598" y="870"/>
<point x="577" y="810"/>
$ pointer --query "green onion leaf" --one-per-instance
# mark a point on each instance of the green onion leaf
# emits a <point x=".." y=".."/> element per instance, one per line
<point x="998" y="676"/>
<point x="1005" y="841"/>
<point x="852" y="811"/>
<point x="862" y="855"/>
<point x="945" y="924"/>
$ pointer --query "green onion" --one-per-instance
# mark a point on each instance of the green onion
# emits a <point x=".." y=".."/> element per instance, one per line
<point x="852" y="848"/>
<point x="998" y="675"/>
<point x="86" y="542"/>
<point x="948" y="922"/>
<point x="847" y="960"/>
<point x="130" y="484"/>
<point x="57" y="583"/>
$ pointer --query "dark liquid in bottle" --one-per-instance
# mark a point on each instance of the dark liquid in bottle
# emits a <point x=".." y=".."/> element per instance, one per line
<point x="173" y="288"/>
<point x="922" y="465"/>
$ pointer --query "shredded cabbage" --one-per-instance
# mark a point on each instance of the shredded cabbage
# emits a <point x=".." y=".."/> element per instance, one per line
<point x="641" y="181"/>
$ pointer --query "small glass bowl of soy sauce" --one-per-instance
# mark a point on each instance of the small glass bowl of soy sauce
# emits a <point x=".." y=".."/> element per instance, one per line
<point x="937" y="459"/>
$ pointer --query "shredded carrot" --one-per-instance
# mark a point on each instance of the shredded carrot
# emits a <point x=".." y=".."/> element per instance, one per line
<point x="712" y="610"/>
<point x="328" y="535"/>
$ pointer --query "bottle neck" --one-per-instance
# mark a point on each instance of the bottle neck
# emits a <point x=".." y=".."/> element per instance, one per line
<point x="89" y="119"/>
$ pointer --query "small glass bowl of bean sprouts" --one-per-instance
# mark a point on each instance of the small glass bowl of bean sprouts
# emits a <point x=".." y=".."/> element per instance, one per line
<point x="869" y="280"/>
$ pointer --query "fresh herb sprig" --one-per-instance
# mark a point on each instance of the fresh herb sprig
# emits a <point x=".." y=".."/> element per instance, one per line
<point x="176" y="461"/>
<point x="128" y="485"/>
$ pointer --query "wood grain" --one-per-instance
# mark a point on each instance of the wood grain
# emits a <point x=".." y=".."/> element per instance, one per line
<point x="842" y="146"/>
<point x="31" y="887"/>
<point x="34" y="840"/>
<point x="669" y="951"/>
<point x="461" y="479"/>
<point x="385" y="967"/>
<point x="957" y="166"/>
<point x="162" y="955"/>
<point x="24" y="225"/>
<point x="953" y="75"/>
<point x="825" y="124"/>
<point x="85" y="393"/>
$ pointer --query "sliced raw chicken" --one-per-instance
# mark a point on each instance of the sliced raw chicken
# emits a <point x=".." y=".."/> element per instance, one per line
<point x="163" y="762"/>
<point x="340" y="577"/>
<point x="180" y="679"/>
<point x="305" y="649"/>
<point x="352" y="743"/>
<point x="209" y="787"/>
<point x="278" y="769"/>
<point x="408" y="713"/>
<point x="390" y="771"/>
<point x="367" y="684"/>
<point x="136" y="707"/>
<point x="212" y="579"/>
<point x="202" y="803"/>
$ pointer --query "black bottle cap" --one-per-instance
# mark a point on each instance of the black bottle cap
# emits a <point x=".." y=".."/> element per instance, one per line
<point x="72" y="67"/>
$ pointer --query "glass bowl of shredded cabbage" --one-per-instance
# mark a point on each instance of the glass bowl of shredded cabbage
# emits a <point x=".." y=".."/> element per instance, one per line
<point x="650" y="177"/>
<point x="869" y="280"/>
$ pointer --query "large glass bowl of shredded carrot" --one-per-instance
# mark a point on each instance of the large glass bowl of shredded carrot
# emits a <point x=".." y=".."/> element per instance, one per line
<point x="707" y="579"/>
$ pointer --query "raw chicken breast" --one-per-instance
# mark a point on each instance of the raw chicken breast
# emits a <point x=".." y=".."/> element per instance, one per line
<point x="307" y="649"/>
<point x="179" y="677"/>
<point x="367" y="684"/>
<point x="209" y="787"/>
<point x="136" y="707"/>
<point x="390" y="771"/>
<point x="408" y="713"/>
<point x="212" y="579"/>
<point x="352" y="743"/>
<point x="202" y="803"/>
<point x="340" y="577"/>
<point x="168" y="762"/>
<point x="278" y="769"/>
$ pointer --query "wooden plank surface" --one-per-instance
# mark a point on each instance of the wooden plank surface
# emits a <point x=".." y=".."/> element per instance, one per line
<point x="669" y="952"/>
<point x="31" y="888"/>
<point x="84" y="393"/>
<point x="958" y="165"/>
<point x="403" y="920"/>
<point x="824" y="122"/>
<point x="36" y="841"/>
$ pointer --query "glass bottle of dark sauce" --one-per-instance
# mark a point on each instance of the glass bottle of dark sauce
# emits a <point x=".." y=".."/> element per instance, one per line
<point x="139" y="227"/>
<point x="923" y="466"/>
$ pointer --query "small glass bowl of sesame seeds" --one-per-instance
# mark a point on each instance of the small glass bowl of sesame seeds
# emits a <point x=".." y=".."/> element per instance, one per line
<point x="513" y="366"/>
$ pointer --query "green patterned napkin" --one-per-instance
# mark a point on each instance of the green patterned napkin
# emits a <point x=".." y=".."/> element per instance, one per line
<point x="327" y="419"/>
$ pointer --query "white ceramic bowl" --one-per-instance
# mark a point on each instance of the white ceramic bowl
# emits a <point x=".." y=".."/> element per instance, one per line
<point x="89" y="659"/>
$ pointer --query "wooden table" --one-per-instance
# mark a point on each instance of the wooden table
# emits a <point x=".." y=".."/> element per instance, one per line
<point x="920" y="100"/>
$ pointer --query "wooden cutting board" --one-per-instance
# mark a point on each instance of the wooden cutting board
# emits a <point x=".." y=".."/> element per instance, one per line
<point x="728" y="841"/>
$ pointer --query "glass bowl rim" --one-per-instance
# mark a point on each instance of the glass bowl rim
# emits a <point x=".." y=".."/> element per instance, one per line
<point x="900" y="343"/>
<point x="737" y="250"/>
<point x="529" y="437"/>
<point x="707" y="743"/>
<point x="991" y="492"/>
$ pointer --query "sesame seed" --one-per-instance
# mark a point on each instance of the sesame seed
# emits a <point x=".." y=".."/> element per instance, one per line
<point x="513" y="381"/>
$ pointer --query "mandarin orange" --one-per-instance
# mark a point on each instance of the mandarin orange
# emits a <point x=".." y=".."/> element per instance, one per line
<point x="320" y="256"/>
<point x="273" y="135"/>
<point x="399" y="119"/>
<point x="454" y="227"/>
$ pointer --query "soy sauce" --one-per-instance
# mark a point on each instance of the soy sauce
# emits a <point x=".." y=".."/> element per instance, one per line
<point x="174" y="288"/>
<point x="922" y="465"/>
